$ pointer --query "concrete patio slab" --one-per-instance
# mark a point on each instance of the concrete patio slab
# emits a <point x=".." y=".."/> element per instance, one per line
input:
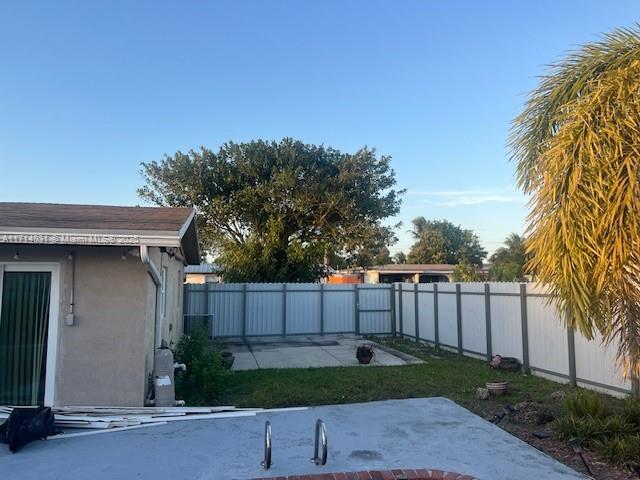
<point x="244" y="361"/>
<point x="300" y="357"/>
<point x="429" y="433"/>
<point x="309" y="352"/>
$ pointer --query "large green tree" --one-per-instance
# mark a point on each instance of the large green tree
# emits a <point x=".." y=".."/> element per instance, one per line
<point x="271" y="211"/>
<point x="507" y="262"/>
<point x="377" y="255"/>
<point x="440" y="241"/>
<point x="577" y="147"/>
<point x="372" y="251"/>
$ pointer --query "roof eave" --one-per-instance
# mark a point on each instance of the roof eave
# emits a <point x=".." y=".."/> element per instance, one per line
<point x="189" y="241"/>
<point x="88" y="238"/>
<point x="185" y="237"/>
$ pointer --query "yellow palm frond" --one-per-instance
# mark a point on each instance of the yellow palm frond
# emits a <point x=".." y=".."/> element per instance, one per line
<point x="577" y="148"/>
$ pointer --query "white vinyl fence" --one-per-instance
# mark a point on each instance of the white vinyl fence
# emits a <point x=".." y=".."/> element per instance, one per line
<point x="475" y="319"/>
<point x="510" y="319"/>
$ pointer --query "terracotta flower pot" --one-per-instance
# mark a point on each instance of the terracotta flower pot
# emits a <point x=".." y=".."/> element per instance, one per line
<point x="497" y="388"/>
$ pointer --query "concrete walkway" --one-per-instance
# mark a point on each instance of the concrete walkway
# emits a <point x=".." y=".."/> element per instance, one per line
<point x="309" y="352"/>
<point x="419" y="433"/>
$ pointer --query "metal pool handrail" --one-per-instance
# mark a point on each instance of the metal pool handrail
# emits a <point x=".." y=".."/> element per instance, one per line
<point x="321" y="438"/>
<point x="266" y="463"/>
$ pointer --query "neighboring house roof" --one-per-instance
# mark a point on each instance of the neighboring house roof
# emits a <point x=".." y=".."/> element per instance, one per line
<point x="406" y="268"/>
<point x="414" y="268"/>
<point x="203" y="268"/>
<point x="51" y="223"/>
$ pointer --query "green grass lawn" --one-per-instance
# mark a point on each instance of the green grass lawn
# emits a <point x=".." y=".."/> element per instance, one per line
<point x="444" y="374"/>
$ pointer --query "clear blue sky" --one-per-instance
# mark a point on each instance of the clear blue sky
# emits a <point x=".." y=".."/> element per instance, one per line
<point x="88" y="90"/>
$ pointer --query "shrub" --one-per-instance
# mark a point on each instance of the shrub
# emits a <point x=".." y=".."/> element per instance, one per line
<point x="586" y="404"/>
<point x="631" y="411"/>
<point x="204" y="378"/>
<point x="619" y="450"/>
<point x="569" y="427"/>
<point x="590" y="429"/>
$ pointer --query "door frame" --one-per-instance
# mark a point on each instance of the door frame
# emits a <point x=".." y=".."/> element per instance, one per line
<point x="54" y="307"/>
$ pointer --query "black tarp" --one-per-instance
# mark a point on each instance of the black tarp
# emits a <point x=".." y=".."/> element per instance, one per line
<point x="25" y="425"/>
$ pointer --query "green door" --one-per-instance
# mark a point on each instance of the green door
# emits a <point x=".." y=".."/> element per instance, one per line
<point x="24" y="320"/>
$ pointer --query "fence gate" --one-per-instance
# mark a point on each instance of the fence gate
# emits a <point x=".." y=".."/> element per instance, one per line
<point x="374" y="310"/>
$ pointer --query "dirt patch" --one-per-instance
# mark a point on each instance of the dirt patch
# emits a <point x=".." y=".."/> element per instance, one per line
<point x="563" y="453"/>
<point x="526" y="419"/>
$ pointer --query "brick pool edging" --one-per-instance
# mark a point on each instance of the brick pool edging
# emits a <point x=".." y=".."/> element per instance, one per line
<point x="396" y="474"/>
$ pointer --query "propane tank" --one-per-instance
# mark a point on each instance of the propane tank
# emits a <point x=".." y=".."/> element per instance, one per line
<point x="163" y="378"/>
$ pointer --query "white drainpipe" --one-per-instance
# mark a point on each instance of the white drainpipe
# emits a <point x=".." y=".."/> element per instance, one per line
<point x="70" y="318"/>
<point x="151" y="268"/>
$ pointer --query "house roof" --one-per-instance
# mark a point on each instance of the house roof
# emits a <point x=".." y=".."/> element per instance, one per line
<point x="51" y="223"/>
<point x="413" y="267"/>
<point x="202" y="268"/>
<point x="405" y="268"/>
<point x="92" y="217"/>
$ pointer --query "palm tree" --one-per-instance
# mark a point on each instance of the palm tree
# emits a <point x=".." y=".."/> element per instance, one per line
<point x="577" y="148"/>
<point x="513" y="249"/>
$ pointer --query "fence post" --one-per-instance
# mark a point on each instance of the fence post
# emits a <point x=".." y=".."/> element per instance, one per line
<point x="322" y="309"/>
<point x="392" y="302"/>
<point x="525" y="328"/>
<point x="186" y="307"/>
<point x="356" y="305"/>
<point x="284" y="309"/>
<point x="416" y="309"/>
<point x="206" y="309"/>
<point x="487" y="316"/>
<point x="244" y="310"/>
<point x="436" y="328"/>
<point x="459" y="317"/>
<point x="401" y="311"/>
<point x="571" y="342"/>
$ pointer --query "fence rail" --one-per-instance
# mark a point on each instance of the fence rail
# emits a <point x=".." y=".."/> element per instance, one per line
<point x="475" y="319"/>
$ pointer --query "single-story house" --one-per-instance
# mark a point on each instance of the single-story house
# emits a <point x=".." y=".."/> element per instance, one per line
<point x="403" y="272"/>
<point x="88" y="293"/>
<point x="202" y="273"/>
<point x="410" y="272"/>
